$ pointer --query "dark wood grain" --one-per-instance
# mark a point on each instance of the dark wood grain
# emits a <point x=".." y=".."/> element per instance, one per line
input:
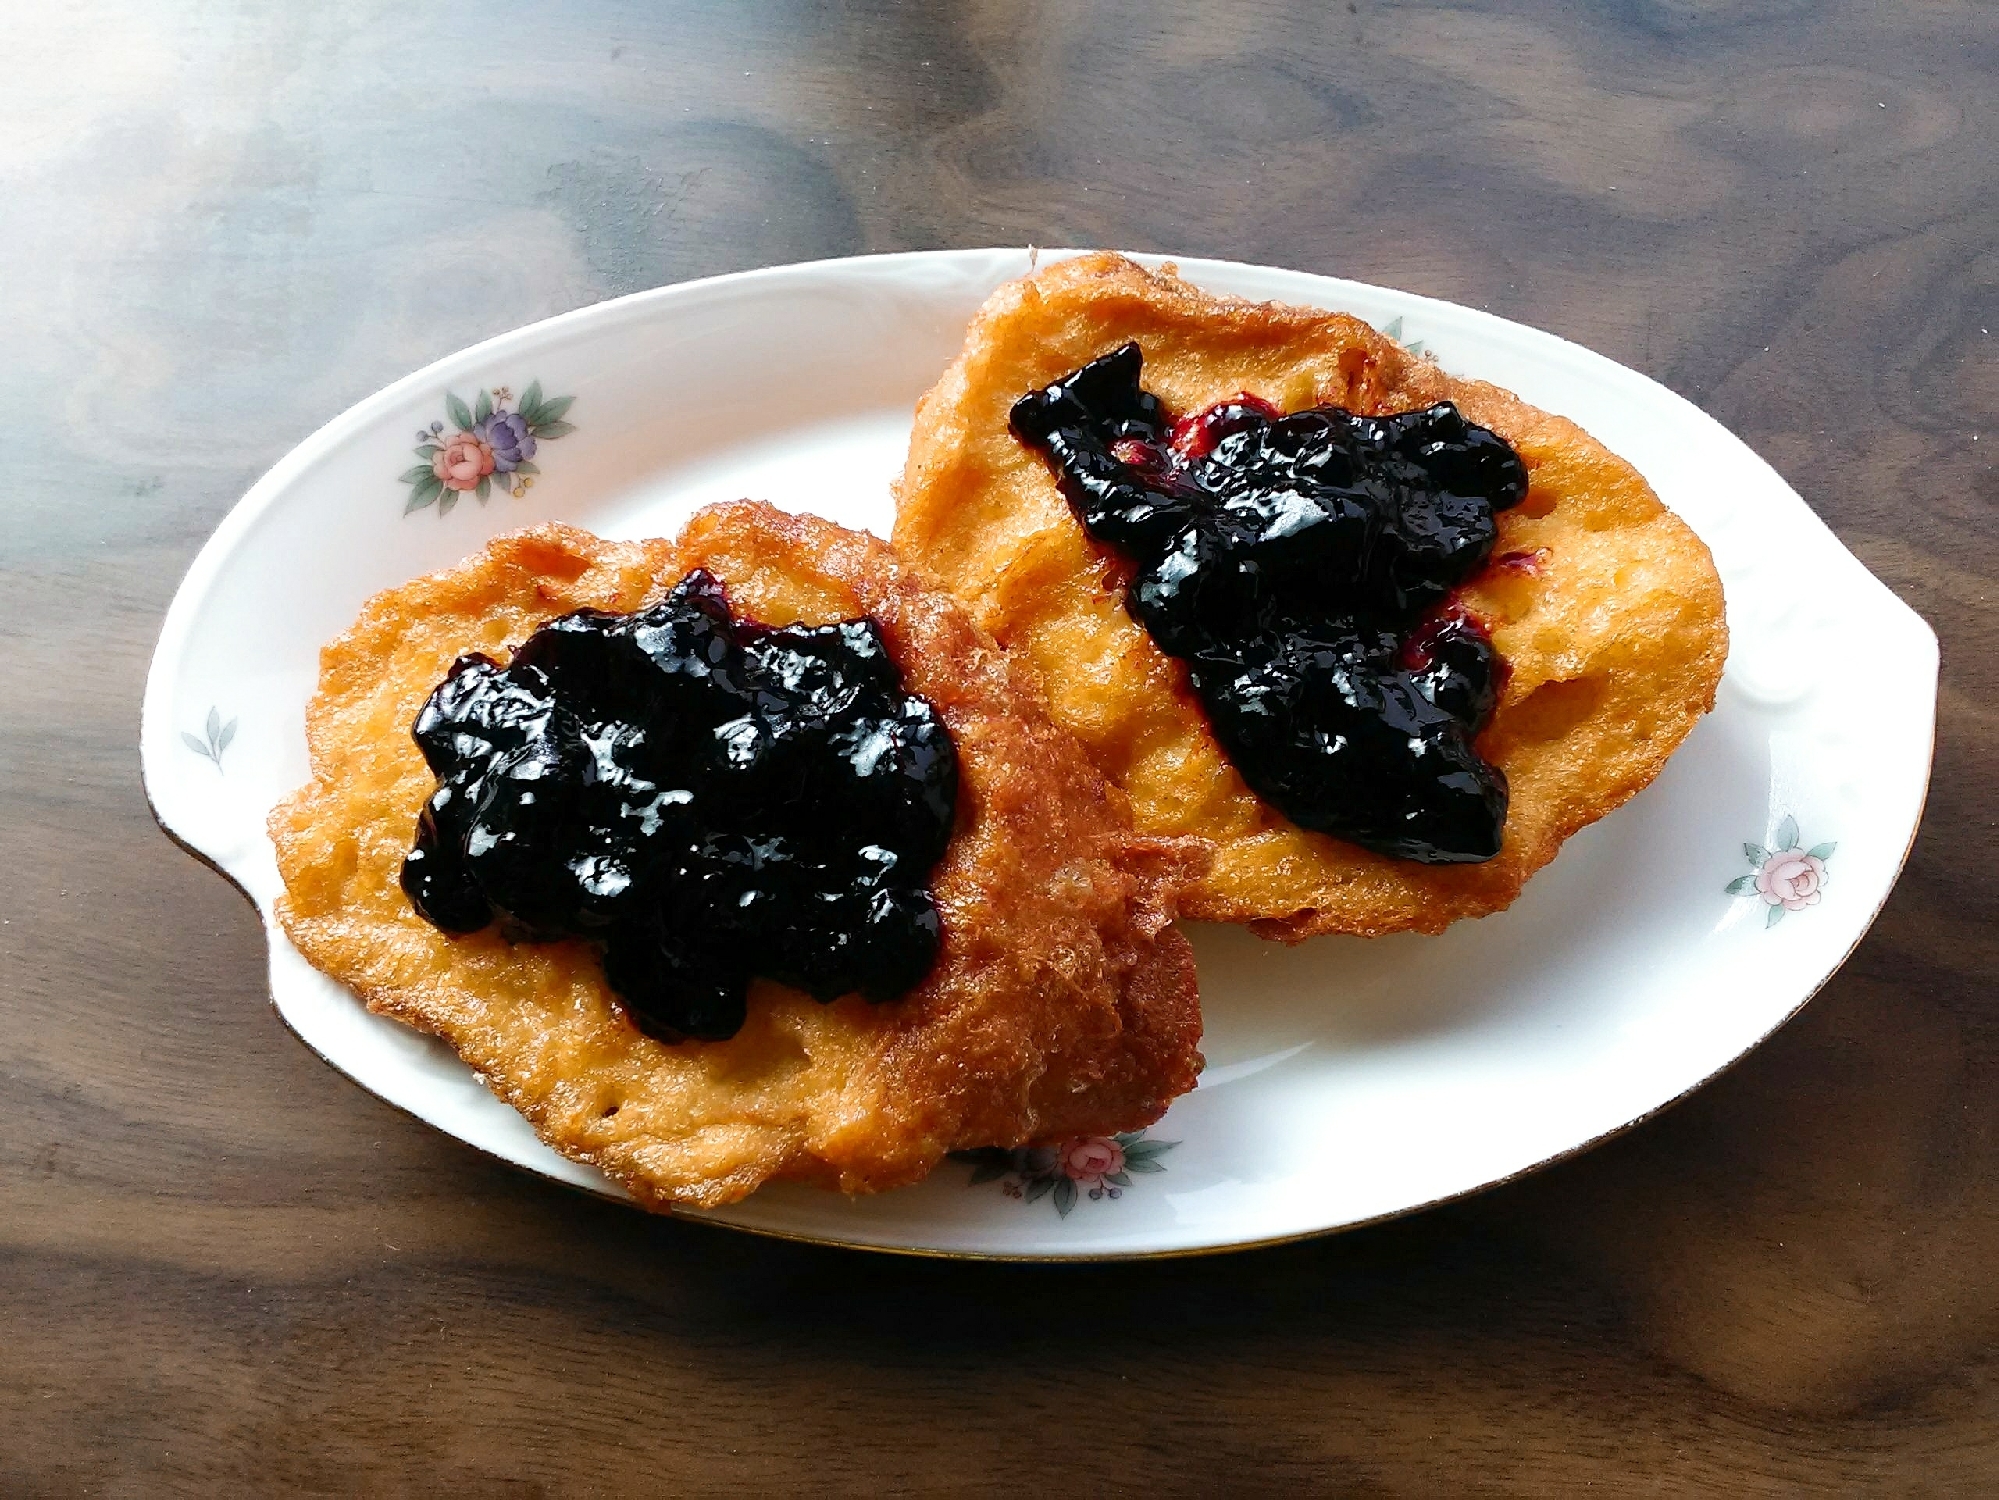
<point x="223" y="1269"/>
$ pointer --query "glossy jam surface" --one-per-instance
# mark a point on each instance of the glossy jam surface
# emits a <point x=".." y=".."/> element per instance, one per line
<point x="1302" y="566"/>
<point x="706" y="797"/>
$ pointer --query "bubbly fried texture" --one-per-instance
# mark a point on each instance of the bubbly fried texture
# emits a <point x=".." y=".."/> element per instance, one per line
<point x="1604" y="605"/>
<point x="1062" y="1001"/>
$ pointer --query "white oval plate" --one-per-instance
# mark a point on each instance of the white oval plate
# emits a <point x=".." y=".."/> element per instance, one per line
<point x="1347" y="1080"/>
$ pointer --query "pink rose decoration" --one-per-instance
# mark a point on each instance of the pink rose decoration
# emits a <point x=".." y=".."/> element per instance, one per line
<point x="1791" y="878"/>
<point x="464" y="459"/>
<point x="1091" y="1158"/>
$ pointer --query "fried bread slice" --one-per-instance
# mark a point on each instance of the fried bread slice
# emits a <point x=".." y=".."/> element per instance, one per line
<point x="1605" y="607"/>
<point x="1062" y="1001"/>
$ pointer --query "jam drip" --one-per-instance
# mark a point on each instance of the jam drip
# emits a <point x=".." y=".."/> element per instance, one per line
<point x="706" y="797"/>
<point x="1302" y="567"/>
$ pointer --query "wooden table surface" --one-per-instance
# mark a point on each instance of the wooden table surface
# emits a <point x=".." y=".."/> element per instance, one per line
<point x="225" y="1269"/>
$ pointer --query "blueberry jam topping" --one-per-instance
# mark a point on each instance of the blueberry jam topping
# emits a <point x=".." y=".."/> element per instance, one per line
<point x="1302" y="566"/>
<point x="706" y="797"/>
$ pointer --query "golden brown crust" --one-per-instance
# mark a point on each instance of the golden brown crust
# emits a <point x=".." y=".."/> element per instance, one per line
<point x="1063" y="999"/>
<point x="1611" y="618"/>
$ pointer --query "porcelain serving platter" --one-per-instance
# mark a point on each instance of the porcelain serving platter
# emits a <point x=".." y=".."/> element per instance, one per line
<point x="1348" y="1080"/>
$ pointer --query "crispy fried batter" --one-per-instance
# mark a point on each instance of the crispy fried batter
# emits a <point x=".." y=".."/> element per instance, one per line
<point x="1062" y="1001"/>
<point x="1605" y="606"/>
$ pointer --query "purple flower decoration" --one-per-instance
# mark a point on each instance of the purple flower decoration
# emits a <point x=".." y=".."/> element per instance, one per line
<point x="484" y="439"/>
<point x="512" y="443"/>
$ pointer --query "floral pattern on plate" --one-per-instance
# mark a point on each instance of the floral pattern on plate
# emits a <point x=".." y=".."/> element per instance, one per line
<point x="213" y="739"/>
<point x="1093" y="1166"/>
<point x="1785" y="876"/>
<point x="494" y="438"/>
<point x="1393" y="330"/>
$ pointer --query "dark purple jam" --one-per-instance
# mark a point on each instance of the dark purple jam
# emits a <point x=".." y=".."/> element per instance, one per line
<point x="1302" y="567"/>
<point x="707" y="798"/>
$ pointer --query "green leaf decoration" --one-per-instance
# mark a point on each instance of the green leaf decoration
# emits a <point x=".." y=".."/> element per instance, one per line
<point x="1822" y="851"/>
<point x="485" y="486"/>
<point x="1118" y="1179"/>
<point x="418" y="500"/>
<point x="1787" y="833"/>
<point x="428" y="450"/>
<point x="484" y="409"/>
<point x="415" y="472"/>
<point x="458" y="411"/>
<point x="214" y="724"/>
<point x="988" y="1171"/>
<point x="554" y="410"/>
<point x="1040" y="1188"/>
<point x="1415" y="348"/>
<point x="1142" y="1164"/>
<point x="530" y="401"/>
<point x="1757" y="853"/>
<point x="1742" y="885"/>
<point x="446" y="500"/>
<point x="1776" y="916"/>
<point x="1065" y="1197"/>
<point x="550" y="430"/>
<point x="527" y="466"/>
<point x="195" y="745"/>
<point x="1393" y="331"/>
<point x="228" y="733"/>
